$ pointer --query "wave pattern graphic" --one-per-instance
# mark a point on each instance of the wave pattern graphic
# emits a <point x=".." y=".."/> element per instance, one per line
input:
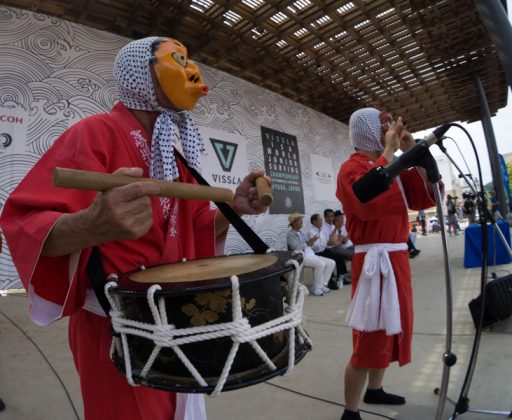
<point x="61" y="72"/>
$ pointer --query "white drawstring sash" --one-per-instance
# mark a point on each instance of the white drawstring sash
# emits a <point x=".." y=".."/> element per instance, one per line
<point x="371" y="310"/>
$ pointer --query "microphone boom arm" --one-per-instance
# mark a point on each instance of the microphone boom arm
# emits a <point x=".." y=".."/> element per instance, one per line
<point x="380" y="178"/>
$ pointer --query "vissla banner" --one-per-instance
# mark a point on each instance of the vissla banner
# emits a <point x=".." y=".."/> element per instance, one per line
<point x="225" y="164"/>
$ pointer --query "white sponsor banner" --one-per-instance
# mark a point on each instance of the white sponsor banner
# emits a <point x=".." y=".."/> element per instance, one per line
<point x="324" y="181"/>
<point x="13" y="130"/>
<point x="225" y="164"/>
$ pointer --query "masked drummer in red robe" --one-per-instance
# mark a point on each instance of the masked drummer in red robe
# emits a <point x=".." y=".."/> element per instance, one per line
<point x="382" y="331"/>
<point x="50" y="231"/>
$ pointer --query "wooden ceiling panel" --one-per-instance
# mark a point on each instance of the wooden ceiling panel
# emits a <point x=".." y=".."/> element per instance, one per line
<point x="413" y="58"/>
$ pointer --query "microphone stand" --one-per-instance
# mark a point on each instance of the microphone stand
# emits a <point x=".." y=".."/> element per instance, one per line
<point x="462" y="405"/>
<point x="449" y="358"/>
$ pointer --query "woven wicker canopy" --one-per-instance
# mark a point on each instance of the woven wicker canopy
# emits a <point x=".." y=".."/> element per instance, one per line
<point x="413" y="58"/>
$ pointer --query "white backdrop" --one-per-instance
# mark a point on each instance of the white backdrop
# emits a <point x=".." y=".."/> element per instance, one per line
<point x="55" y="73"/>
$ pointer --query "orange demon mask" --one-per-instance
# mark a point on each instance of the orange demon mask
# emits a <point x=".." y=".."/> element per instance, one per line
<point x="178" y="76"/>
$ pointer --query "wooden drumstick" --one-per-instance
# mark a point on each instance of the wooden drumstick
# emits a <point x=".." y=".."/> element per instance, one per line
<point x="99" y="181"/>
<point x="264" y="191"/>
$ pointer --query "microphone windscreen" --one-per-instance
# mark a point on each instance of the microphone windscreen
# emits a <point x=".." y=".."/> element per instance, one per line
<point x="372" y="184"/>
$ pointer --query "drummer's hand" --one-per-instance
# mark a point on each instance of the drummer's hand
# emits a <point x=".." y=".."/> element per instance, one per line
<point x="118" y="214"/>
<point x="246" y="199"/>
<point x="122" y="213"/>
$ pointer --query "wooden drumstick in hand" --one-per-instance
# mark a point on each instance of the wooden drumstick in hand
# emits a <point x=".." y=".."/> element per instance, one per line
<point x="264" y="191"/>
<point x="99" y="181"/>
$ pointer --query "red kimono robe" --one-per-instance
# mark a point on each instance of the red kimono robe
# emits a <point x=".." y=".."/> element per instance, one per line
<point x="57" y="287"/>
<point x="382" y="220"/>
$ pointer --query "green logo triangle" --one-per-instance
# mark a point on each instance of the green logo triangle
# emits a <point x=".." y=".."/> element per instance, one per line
<point x="225" y="152"/>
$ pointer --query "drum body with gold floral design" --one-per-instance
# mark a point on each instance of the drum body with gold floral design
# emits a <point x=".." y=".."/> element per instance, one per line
<point x="198" y="293"/>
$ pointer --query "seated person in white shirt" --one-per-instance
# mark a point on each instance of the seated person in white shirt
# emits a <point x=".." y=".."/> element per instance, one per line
<point x="343" y="242"/>
<point x="322" y="267"/>
<point x="324" y="246"/>
<point x="328" y="227"/>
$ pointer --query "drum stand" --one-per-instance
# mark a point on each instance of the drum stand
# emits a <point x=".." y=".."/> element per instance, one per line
<point x="449" y="358"/>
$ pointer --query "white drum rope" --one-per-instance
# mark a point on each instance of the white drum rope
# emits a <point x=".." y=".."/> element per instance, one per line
<point x="163" y="334"/>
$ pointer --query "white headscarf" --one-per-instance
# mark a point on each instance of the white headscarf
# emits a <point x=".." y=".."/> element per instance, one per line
<point x="364" y="130"/>
<point x="135" y="90"/>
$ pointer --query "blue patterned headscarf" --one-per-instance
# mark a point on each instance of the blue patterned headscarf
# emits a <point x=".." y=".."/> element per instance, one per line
<point x="135" y="90"/>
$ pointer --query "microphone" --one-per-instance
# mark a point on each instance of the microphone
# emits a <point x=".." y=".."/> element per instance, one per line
<point x="437" y="134"/>
<point x="379" y="179"/>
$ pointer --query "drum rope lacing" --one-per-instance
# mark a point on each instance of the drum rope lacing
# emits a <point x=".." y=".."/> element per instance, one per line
<point x="164" y="334"/>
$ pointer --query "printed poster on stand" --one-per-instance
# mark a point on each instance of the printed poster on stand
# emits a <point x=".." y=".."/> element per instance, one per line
<point x="324" y="181"/>
<point x="282" y="164"/>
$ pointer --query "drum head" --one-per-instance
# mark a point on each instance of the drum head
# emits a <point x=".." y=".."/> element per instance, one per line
<point x="204" y="273"/>
<point x="204" y="269"/>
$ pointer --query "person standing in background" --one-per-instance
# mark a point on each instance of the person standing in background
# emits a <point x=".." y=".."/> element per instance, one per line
<point x="451" y="208"/>
<point x="422" y="219"/>
<point x="469" y="207"/>
<point x="494" y="204"/>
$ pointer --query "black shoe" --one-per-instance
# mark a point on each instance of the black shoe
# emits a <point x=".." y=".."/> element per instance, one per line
<point x="347" y="280"/>
<point x="378" y="396"/>
<point x="351" y="415"/>
<point x="332" y="285"/>
<point x="414" y="252"/>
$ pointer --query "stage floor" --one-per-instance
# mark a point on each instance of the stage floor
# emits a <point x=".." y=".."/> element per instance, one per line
<point x="38" y="379"/>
